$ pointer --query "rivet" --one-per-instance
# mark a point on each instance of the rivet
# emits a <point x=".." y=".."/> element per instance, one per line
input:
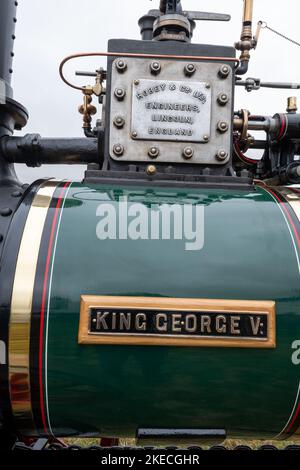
<point x="224" y="71"/>
<point x="188" y="152"/>
<point x="1" y="238"/>
<point x="151" y="170"/>
<point x="118" y="150"/>
<point x="222" y="126"/>
<point x="153" y="152"/>
<point x="134" y="134"/>
<point x="136" y="82"/>
<point x="119" y="122"/>
<point x="206" y="138"/>
<point x="5" y="212"/>
<point x="155" y="68"/>
<point x="223" y="99"/>
<point x="207" y="86"/>
<point x="121" y="65"/>
<point x="189" y="70"/>
<point x="222" y="155"/>
<point x="120" y="93"/>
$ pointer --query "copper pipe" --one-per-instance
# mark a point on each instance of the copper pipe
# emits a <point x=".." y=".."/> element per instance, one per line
<point x="138" y="56"/>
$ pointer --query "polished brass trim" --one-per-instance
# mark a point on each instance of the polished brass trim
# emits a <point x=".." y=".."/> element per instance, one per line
<point x="292" y="198"/>
<point x="21" y="308"/>
<point x="176" y="304"/>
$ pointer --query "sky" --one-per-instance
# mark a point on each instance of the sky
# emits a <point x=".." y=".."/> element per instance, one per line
<point x="49" y="30"/>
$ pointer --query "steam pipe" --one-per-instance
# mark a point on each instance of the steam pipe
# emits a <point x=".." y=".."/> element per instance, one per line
<point x="35" y="151"/>
<point x="8" y="21"/>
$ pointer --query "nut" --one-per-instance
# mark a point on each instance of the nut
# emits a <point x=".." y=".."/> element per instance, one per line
<point x="119" y="122"/>
<point x="188" y="153"/>
<point x="120" y="93"/>
<point x="121" y="65"/>
<point x="222" y="155"/>
<point x="155" y="68"/>
<point x="189" y="70"/>
<point x="118" y="150"/>
<point x="224" y="71"/>
<point x="223" y="99"/>
<point x="222" y="127"/>
<point x="153" y="152"/>
<point x="151" y="170"/>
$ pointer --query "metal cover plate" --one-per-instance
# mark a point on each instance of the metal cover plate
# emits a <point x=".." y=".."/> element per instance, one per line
<point x="171" y="110"/>
<point x="136" y="117"/>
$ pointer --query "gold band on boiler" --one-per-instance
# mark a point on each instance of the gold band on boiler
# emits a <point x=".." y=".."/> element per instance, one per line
<point x="21" y="308"/>
<point x="292" y="198"/>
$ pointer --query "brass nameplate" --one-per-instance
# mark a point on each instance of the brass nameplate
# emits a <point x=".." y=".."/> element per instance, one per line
<point x="177" y="322"/>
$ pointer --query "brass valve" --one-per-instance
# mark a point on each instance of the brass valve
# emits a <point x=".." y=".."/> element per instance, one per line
<point x="87" y="109"/>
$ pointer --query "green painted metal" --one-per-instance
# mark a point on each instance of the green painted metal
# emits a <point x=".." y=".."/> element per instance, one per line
<point x="248" y="254"/>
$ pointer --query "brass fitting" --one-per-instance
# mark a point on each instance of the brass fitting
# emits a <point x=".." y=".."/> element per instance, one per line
<point x="292" y="106"/>
<point x="87" y="109"/>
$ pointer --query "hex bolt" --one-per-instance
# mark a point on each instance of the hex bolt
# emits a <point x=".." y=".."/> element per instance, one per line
<point x="118" y="150"/>
<point x="188" y="153"/>
<point x="206" y="138"/>
<point x="121" y="65"/>
<point x="223" y="99"/>
<point x="189" y="70"/>
<point x="120" y="93"/>
<point x="151" y="170"/>
<point x="119" y="122"/>
<point x="222" y="155"/>
<point x="224" y="71"/>
<point x="222" y="127"/>
<point x="155" y="68"/>
<point x="134" y="134"/>
<point x="153" y="152"/>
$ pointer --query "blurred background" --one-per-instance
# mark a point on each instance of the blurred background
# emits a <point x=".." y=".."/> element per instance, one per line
<point x="48" y="30"/>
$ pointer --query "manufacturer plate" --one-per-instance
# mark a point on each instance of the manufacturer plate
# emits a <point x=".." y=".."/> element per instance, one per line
<point x="177" y="322"/>
<point x="171" y="110"/>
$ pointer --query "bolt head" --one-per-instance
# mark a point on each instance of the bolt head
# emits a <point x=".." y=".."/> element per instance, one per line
<point x="120" y="93"/>
<point x="151" y="170"/>
<point x="222" y="127"/>
<point x="155" y="67"/>
<point x="153" y="152"/>
<point x="119" y="122"/>
<point x="224" y="71"/>
<point x="222" y="155"/>
<point x="118" y="150"/>
<point x="188" y="153"/>
<point x="121" y="65"/>
<point x="189" y="70"/>
<point x="223" y="99"/>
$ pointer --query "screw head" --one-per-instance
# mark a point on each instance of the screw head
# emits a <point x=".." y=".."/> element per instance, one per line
<point x="120" y="93"/>
<point x="153" y="152"/>
<point x="119" y="122"/>
<point x="223" y="99"/>
<point x="118" y="150"/>
<point x="155" y="67"/>
<point x="121" y="65"/>
<point x="151" y="170"/>
<point x="134" y="134"/>
<point x="222" y="155"/>
<point x="222" y="127"/>
<point x="136" y="82"/>
<point x="206" y="138"/>
<point x="224" y="71"/>
<point x="189" y="70"/>
<point x="188" y="153"/>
